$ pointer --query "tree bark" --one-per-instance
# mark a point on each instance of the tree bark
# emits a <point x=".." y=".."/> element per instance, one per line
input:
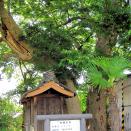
<point x="12" y="35"/>
<point x="1" y="39"/>
<point x="105" y="44"/>
<point x="73" y="104"/>
<point x="113" y="111"/>
<point x="96" y="106"/>
<point x="100" y="104"/>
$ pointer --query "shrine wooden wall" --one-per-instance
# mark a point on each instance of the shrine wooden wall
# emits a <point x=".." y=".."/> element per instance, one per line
<point x="43" y="104"/>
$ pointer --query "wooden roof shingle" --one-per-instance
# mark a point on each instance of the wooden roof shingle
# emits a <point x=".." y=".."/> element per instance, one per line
<point x="46" y="86"/>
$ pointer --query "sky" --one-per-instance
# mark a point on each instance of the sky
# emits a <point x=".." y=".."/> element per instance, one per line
<point x="7" y="85"/>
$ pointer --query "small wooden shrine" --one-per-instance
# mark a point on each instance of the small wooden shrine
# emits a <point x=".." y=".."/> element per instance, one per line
<point x="49" y="98"/>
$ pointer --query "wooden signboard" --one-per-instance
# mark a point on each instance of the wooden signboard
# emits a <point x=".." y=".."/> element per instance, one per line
<point x="66" y="122"/>
<point x="65" y="125"/>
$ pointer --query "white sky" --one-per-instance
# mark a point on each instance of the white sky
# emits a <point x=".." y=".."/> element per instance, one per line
<point x="7" y="85"/>
<point x="127" y="72"/>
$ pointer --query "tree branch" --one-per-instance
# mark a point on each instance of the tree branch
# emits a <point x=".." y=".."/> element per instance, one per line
<point x="72" y="19"/>
<point x="20" y="65"/>
<point x="25" y="66"/>
<point x="1" y="39"/>
<point x="12" y="33"/>
<point x="9" y="5"/>
<point x="1" y="7"/>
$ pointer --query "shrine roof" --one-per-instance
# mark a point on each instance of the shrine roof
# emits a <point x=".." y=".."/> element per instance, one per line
<point x="47" y="86"/>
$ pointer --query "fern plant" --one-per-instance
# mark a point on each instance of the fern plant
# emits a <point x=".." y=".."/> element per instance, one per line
<point x="103" y="71"/>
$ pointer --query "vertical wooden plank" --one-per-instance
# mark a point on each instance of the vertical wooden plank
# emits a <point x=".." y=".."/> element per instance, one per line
<point x="32" y="113"/>
<point x="82" y="124"/>
<point x="44" y="108"/>
<point x="25" y="122"/>
<point x="65" y="106"/>
<point x="61" y="105"/>
<point x="40" y="111"/>
<point x="28" y="115"/>
<point x="35" y="112"/>
<point x="24" y="116"/>
<point x="35" y="124"/>
<point x="47" y="125"/>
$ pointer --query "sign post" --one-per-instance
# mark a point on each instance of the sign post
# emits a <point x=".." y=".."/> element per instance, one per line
<point x="67" y="122"/>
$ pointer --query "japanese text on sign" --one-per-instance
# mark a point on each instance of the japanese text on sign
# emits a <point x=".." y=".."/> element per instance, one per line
<point x="65" y="125"/>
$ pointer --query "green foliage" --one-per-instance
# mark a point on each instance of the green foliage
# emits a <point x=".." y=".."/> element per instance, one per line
<point x="101" y="71"/>
<point x="123" y="46"/>
<point x="27" y="84"/>
<point x="104" y="71"/>
<point x="49" y="43"/>
<point x="82" y="92"/>
<point x="83" y="100"/>
<point x="64" y="33"/>
<point x="8" y="121"/>
<point x="53" y="27"/>
<point x="7" y="60"/>
<point x="29" y="78"/>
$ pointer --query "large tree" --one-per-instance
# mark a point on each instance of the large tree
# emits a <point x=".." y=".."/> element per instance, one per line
<point x="44" y="40"/>
<point x="59" y="31"/>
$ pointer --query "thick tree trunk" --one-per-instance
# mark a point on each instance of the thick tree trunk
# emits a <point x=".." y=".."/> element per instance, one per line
<point x="103" y="106"/>
<point x="100" y="104"/>
<point x="97" y="107"/>
<point x="113" y="111"/>
<point x="105" y="44"/>
<point x="73" y="104"/>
